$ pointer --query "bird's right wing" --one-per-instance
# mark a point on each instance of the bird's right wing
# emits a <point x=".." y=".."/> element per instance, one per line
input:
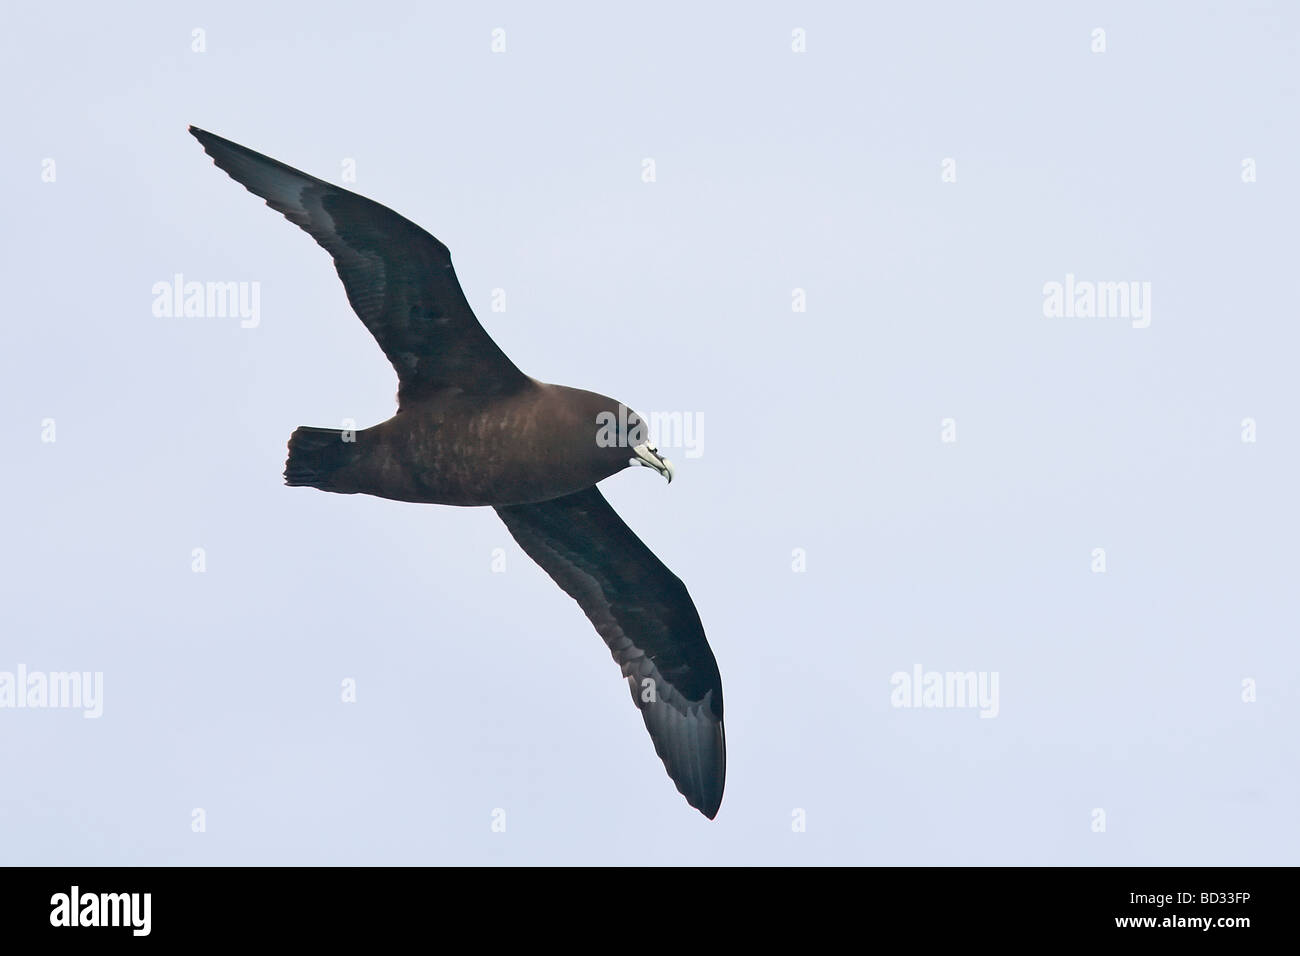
<point x="647" y="618"/>
<point x="398" y="278"/>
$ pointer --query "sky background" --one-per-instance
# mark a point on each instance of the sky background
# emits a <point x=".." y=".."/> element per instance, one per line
<point x="775" y="171"/>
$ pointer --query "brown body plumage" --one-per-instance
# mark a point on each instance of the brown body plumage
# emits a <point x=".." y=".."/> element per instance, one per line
<point x="450" y="448"/>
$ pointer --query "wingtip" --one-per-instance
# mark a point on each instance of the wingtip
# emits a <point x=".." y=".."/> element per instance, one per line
<point x="706" y="796"/>
<point x="707" y="803"/>
<point x="205" y="138"/>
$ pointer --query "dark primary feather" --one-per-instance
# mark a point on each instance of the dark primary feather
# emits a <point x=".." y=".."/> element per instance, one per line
<point x="647" y="618"/>
<point x="398" y="278"/>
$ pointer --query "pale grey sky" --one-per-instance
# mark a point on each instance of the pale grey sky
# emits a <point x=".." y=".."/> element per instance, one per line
<point x="823" y="171"/>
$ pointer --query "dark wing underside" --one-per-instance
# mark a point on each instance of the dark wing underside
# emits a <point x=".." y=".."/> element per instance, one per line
<point x="647" y="618"/>
<point x="398" y="278"/>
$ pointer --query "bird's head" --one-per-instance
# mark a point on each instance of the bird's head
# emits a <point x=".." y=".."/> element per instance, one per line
<point x="623" y="439"/>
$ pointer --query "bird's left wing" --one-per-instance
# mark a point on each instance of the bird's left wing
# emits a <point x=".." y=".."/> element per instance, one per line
<point x="398" y="278"/>
<point x="647" y="618"/>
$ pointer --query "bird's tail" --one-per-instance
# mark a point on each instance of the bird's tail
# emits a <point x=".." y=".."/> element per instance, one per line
<point x="320" y="457"/>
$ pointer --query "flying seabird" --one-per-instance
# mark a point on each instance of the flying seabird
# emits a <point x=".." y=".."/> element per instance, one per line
<point x="471" y="429"/>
